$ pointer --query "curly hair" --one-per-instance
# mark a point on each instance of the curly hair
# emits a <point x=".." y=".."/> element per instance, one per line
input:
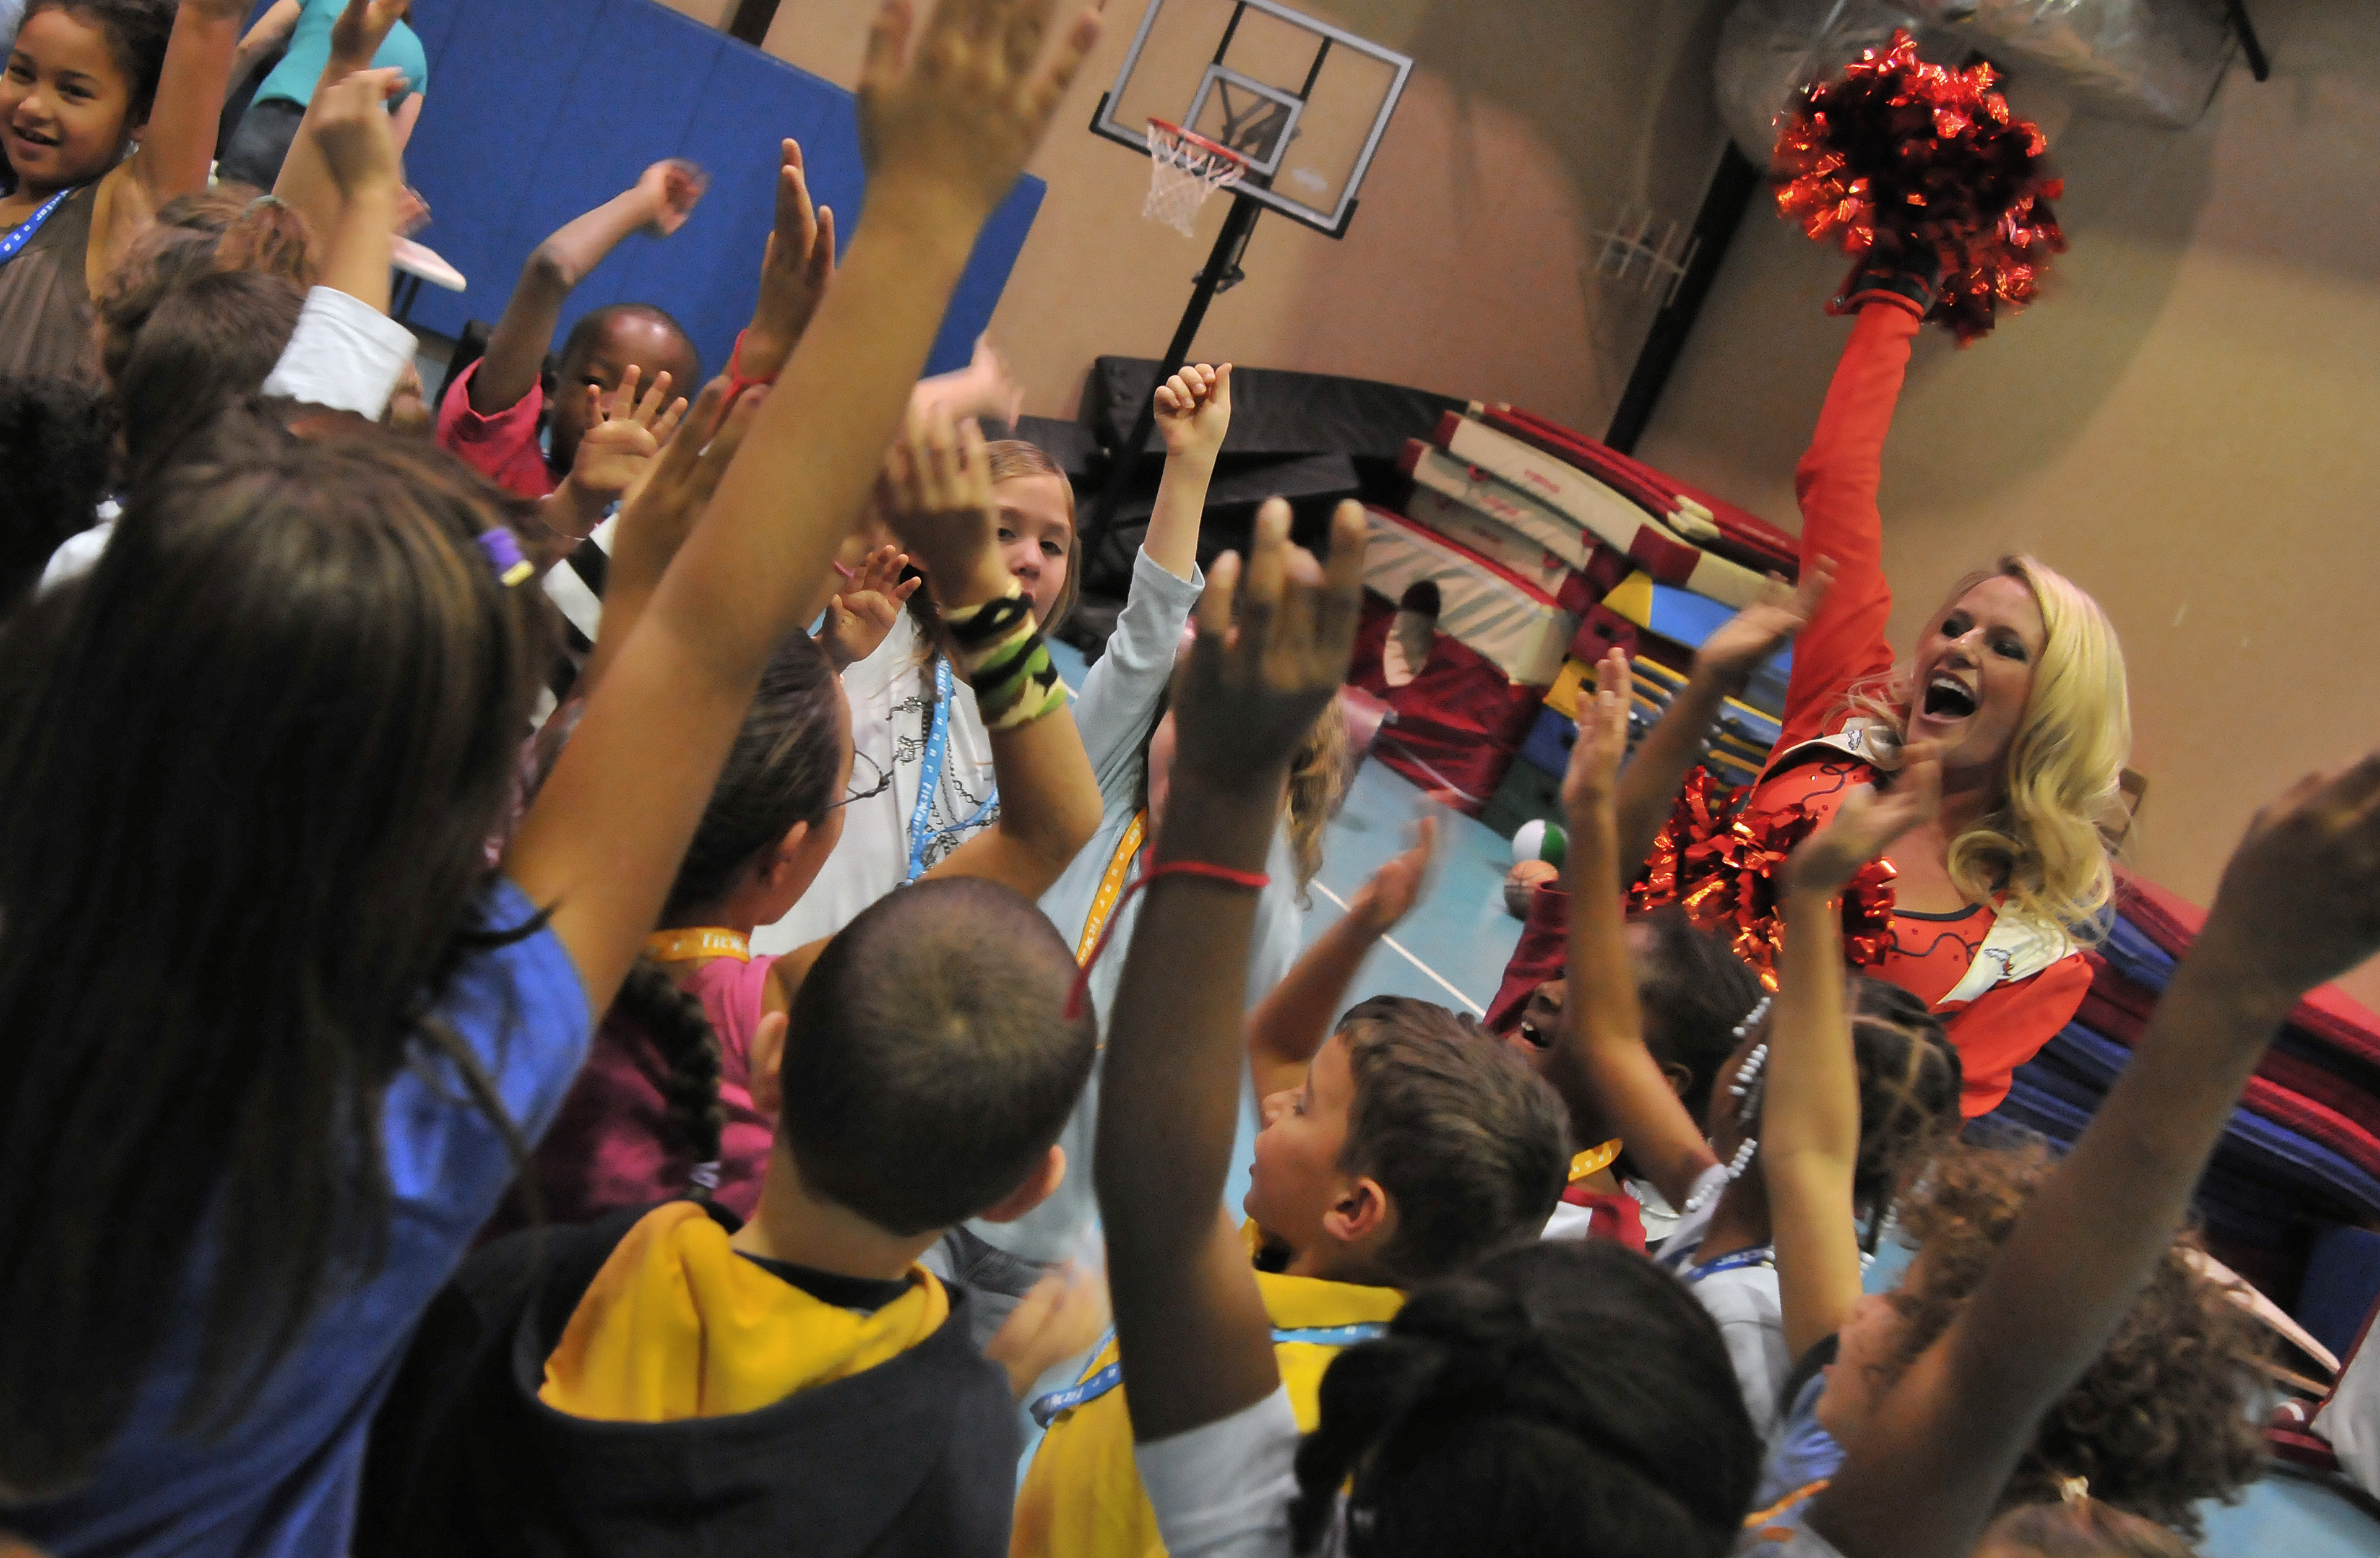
<point x="2043" y="850"/>
<point x="1909" y="1085"/>
<point x="1317" y="782"/>
<point x="2161" y="1420"/>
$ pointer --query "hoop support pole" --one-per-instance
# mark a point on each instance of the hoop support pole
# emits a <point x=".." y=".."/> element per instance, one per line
<point x="1221" y="260"/>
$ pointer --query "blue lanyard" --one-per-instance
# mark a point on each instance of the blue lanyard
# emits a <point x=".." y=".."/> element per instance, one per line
<point x="1046" y="1409"/>
<point x="24" y="230"/>
<point x="1760" y="1255"/>
<point x="922" y="832"/>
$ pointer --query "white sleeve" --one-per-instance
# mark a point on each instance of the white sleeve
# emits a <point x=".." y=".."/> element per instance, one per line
<point x="1112" y="712"/>
<point x="1223" y="1490"/>
<point x="347" y="354"/>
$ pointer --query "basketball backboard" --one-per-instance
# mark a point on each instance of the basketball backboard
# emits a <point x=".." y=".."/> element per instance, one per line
<point x="1304" y="101"/>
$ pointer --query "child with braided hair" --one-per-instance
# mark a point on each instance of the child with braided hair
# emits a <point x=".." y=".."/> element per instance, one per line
<point x="1724" y="1244"/>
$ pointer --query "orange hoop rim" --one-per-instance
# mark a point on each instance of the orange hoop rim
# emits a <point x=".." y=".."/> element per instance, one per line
<point x="1213" y="149"/>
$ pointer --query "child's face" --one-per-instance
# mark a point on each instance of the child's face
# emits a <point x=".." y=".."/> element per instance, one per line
<point x="627" y="340"/>
<point x="64" y="103"/>
<point x="1035" y="536"/>
<point x="1297" y="1178"/>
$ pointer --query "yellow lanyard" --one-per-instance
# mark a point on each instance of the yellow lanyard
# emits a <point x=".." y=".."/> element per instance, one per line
<point x="696" y="943"/>
<point x="1595" y="1160"/>
<point x="1111" y="886"/>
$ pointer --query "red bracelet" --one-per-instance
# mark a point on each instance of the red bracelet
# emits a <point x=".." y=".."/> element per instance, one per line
<point x="1254" y="881"/>
<point x="737" y="383"/>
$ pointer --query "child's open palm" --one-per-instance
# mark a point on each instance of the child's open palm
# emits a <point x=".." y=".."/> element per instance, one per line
<point x="625" y="435"/>
<point x="1390" y="893"/>
<point x="1193" y="410"/>
<point x="864" y="611"/>
<point x="671" y="189"/>
<point x="2300" y="899"/>
<point x="936" y="494"/>
<point x="1274" y="644"/>
<point x="961" y="110"/>
<point x="795" y="270"/>
<point x="1868" y="821"/>
<point x="1752" y="635"/>
<point x="1593" y="779"/>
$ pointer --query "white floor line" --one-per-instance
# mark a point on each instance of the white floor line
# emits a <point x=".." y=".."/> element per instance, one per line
<point x="1398" y="947"/>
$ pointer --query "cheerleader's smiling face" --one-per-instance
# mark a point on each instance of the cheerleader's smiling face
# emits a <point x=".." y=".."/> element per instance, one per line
<point x="1975" y="674"/>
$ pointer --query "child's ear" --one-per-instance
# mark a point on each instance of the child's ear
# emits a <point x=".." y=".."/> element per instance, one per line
<point x="1039" y="1186"/>
<point x="769" y="1064"/>
<point x="1678" y="1076"/>
<point x="786" y="857"/>
<point x="1361" y="1213"/>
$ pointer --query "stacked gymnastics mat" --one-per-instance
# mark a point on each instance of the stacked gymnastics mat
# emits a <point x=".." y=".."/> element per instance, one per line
<point x="1538" y="548"/>
<point x="2297" y="1176"/>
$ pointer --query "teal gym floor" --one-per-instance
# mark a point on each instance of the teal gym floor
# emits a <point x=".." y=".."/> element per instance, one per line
<point x="1452" y="949"/>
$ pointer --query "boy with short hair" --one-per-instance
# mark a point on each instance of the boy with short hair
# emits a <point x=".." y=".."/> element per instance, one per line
<point x="1413" y="1144"/>
<point x="800" y="1382"/>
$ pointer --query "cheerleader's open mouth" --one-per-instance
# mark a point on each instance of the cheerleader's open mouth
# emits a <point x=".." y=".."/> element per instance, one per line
<point x="1948" y="699"/>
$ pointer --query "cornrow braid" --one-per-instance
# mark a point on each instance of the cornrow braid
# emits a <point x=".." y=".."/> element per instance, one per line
<point x="680" y="1029"/>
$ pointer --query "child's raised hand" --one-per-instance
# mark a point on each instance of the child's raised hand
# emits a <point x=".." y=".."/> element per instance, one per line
<point x="1273" y="649"/>
<point x="795" y="269"/>
<point x="1868" y="821"/>
<point x="959" y="114"/>
<point x="677" y="485"/>
<point x="2299" y="901"/>
<point x="625" y="435"/>
<point x="361" y="29"/>
<point x="1390" y="893"/>
<point x="935" y="492"/>
<point x="350" y="124"/>
<point x="1593" y="779"/>
<point x="864" y="611"/>
<point x="1193" y="410"/>
<point x="671" y="189"/>
<point x="1730" y="655"/>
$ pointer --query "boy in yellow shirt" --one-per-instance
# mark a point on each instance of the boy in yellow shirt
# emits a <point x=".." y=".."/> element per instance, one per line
<point x="1414" y="1144"/>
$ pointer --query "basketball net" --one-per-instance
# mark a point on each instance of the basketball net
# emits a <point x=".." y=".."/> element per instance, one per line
<point x="1183" y="169"/>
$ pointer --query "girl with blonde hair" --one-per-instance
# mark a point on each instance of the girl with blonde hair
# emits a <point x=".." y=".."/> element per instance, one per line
<point x="2017" y="683"/>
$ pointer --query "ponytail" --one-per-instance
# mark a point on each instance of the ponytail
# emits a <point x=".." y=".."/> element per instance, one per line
<point x="680" y="1031"/>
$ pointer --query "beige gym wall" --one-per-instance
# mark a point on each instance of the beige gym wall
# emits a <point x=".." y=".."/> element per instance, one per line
<point x="1527" y="126"/>
<point x="2186" y="426"/>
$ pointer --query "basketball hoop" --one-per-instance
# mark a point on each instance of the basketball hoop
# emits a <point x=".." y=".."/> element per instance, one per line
<point x="1183" y="169"/>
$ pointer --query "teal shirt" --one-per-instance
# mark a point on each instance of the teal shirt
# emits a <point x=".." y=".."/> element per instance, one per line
<point x="309" y="50"/>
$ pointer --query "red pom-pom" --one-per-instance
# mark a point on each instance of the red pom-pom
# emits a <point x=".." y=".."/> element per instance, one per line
<point x="1915" y="168"/>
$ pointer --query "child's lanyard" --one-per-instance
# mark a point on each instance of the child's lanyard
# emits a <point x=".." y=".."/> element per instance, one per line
<point x="1046" y="1409"/>
<point x="1103" y="903"/>
<point x="1759" y="1255"/>
<point x="929" y="778"/>
<point x="24" y="232"/>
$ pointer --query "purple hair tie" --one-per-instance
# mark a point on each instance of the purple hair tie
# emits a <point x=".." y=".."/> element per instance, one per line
<point x="504" y="555"/>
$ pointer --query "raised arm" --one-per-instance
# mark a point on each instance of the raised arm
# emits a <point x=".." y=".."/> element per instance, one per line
<point x="2300" y="904"/>
<point x="1193" y="412"/>
<point x="946" y="132"/>
<point x="177" y="149"/>
<point x="348" y="125"/>
<point x="943" y="511"/>
<point x="305" y="181"/>
<point x="1810" y="1107"/>
<point x="1191" y="1327"/>
<point x="1836" y="483"/>
<point x="1295" y="1021"/>
<point x="272" y="31"/>
<point x="1723" y="666"/>
<point x="797" y="267"/>
<point x="661" y="199"/>
<point x="1598" y="1062"/>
